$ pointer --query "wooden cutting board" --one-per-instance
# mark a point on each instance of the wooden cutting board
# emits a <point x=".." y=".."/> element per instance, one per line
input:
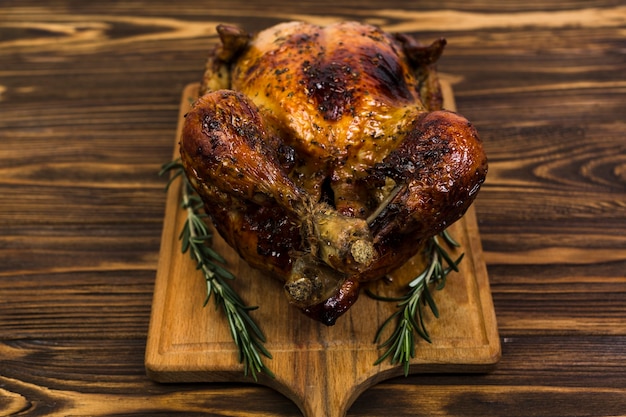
<point x="322" y="369"/>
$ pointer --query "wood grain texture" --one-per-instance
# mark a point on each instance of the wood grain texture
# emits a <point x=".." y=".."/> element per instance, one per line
<point x="88" y="107"/>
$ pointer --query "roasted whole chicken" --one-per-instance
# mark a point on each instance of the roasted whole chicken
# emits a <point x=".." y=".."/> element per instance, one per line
<point x="323" y="156"/>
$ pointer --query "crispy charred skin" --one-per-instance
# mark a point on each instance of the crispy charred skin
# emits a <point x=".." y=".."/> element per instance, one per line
<point x="236" y="166"/>
<point x="323" y="156"/>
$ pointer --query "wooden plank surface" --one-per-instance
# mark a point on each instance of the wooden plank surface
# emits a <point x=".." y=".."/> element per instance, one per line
<point x="89" y="99"/>
<point x="323" y="369"/>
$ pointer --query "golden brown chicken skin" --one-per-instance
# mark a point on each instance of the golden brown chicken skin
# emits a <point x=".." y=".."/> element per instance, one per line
<point x="323" y="156"/>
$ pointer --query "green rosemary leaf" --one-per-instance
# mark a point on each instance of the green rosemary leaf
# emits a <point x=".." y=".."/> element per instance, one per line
<point x="252" y="353"/>
<point x="208" y="295"/>
<point x="420" y="278"/>
<point x="431" y="302"/>
<point x="204" y="237"/>
<point x="444" y="254"/>
<point x="457" y="262"/>
<point x="441" y="282"/>
<point x="384" y="325"/>
<point x="449" y="239"/>
<point x="173" y="165"/>
<point x="382" y="298"/>
<point x="415" y="325"/>
<point x="407" y="348"/>
<point x="248" y="308"/>
<point x="397" y="333"/>
<point x="211" y="253"/>
<point x="261" y="347"/>
<point x="222" y="272"/>
<point x="421" y="328"/>
<point x="404" y="302"/>
<point x="407" y="367"/>
<point x="172" y="179"/>
<point x="196" y="204"/>
<point x="253" y="326"/>
<point x="397" y="345"/>
<point x="198" y="225"/>
<point x="184" y="239"/>
<point x="382" y="357"/>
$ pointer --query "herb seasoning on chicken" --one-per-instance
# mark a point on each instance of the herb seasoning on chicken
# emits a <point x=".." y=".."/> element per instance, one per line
<point x="323" y="156"/>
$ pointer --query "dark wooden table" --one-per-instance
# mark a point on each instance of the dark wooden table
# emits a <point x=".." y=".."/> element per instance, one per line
<point x="89" y="94"/>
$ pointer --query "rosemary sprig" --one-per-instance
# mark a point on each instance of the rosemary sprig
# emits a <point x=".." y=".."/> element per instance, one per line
<point x="247" y="336"/>
<point x="196" y="238"/>
<point x="409" y="317"/>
